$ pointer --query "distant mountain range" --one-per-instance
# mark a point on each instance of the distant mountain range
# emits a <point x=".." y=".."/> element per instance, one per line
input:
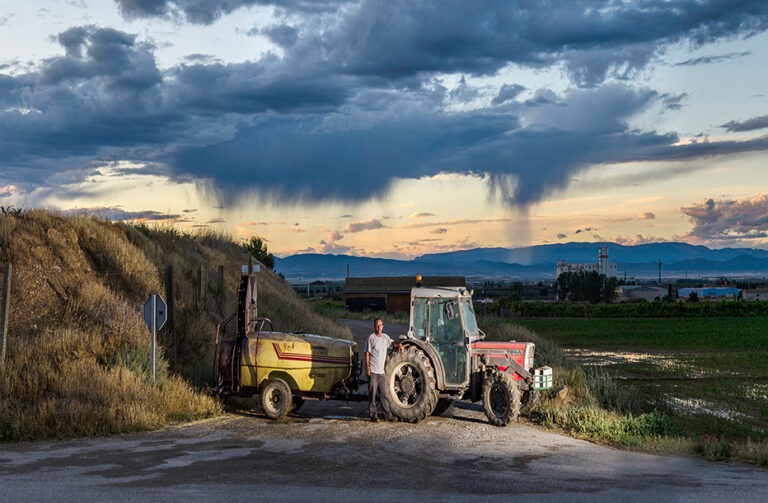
<point x="678" y="260"/>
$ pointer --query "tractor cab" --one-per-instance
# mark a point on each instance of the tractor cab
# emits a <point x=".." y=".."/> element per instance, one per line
<point x="443" y="317"/>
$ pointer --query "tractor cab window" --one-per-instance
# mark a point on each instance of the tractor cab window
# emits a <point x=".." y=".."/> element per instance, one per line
<point x="419" y="318"/>
<point x="445" y="322"/>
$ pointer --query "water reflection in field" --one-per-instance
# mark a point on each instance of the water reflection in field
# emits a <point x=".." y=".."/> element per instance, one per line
<point x="688" y="382"/>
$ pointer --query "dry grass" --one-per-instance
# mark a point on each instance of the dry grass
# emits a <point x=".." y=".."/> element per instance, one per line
<point x="78" y="358"/>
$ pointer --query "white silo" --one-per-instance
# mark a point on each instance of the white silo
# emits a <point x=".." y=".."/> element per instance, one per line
<point x="602" y="260"/>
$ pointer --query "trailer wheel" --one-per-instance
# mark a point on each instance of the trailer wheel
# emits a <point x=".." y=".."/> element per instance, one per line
<point x="442" y="405"/>
<point x="501" y="398"/>
<point x="411" y="385"/>
<point x="276" y="399"/>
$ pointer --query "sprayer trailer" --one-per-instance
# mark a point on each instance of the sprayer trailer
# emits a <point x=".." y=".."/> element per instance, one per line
<point x="281" y="369"/>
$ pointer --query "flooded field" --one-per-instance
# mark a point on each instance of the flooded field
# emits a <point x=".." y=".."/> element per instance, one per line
<point x="689" y="382"/>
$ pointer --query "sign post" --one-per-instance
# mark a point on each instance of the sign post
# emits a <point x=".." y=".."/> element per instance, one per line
<point x="155" y="314"/>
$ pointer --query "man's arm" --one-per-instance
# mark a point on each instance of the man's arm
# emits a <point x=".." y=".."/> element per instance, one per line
<point x="368" y="364"/>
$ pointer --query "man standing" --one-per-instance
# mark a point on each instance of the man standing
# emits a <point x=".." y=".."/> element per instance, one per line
<point x="376" y="349"/>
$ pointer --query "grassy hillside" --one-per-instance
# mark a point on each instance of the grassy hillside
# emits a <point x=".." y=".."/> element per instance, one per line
<point x="77" y="357"/>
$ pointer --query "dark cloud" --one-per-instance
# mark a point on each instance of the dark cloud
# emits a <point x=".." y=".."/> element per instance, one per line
<point x="356" y="97"/>
<point x="208" y="11"/>
<point x="729" y="220"/>
<point x="399" y="38"/>
<point x="507" y="92"/>
<point x="282" y="35"/>
<point x="747" y="125"/>
<point x="705" y="60"/>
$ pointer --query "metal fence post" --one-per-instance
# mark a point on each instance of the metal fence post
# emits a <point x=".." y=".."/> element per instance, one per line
<point x="4" y="313"/>
<point x="171" y="325"/>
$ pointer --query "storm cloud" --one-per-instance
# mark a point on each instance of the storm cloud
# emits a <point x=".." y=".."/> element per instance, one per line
<point x="728" y="219"/>
<point x="357" y="96"/>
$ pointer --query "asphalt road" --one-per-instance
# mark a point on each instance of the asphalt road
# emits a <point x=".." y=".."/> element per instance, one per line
<point x="329" y="451"/>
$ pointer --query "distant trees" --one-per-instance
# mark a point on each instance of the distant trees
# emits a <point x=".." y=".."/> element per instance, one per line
<point x="257" y="248"/>
<point x="586" y="286"/>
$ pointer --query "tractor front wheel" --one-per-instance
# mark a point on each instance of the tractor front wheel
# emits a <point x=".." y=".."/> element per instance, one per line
<point x="501" y="398"/>
<point x="276" y="400"/>
<point x="411" y="385"/>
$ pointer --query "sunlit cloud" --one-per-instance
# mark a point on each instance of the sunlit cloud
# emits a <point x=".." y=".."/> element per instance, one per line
<point x="729" y="219"/>
<point x="638" y="239"/>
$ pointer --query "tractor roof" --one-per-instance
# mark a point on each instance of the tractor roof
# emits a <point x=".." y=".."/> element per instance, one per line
<point x="440" y="291"/>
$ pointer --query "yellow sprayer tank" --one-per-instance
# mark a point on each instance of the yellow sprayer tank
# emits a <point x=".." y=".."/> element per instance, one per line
<point x="310" y="363"/>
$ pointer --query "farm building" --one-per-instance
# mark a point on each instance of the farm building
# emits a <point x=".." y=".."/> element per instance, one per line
<point x="390" y="294"/>
<point x="710" y="293"/>
<point x="755" y="294"/>
<point x="628" y="293"/>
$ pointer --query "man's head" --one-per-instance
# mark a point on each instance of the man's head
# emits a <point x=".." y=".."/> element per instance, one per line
<point x="378" y="325"/>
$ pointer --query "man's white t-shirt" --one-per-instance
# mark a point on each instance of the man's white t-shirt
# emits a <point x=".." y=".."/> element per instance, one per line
<point x="378" y="346"/>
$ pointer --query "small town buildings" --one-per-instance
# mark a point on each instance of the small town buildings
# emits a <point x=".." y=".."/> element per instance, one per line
<point x="390" y="294"/>
<point x="602" y="266"/>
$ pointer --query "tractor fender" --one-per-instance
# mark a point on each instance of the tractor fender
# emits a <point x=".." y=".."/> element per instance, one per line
<point x="434" y="359"/>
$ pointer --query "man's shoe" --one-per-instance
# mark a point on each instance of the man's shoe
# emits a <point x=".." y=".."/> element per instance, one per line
<point x="374" y="419"/>
<point x="392" y="419"/>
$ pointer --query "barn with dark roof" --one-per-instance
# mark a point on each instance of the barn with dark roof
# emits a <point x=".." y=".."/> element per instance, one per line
<point x="390" y="294"/>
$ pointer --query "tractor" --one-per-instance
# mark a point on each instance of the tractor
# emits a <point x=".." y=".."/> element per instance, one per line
<point x="446" y="359"/>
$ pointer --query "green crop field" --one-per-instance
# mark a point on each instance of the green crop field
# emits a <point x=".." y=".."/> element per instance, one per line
<point x="682" y="334"/>
<point x="712" y="372"/>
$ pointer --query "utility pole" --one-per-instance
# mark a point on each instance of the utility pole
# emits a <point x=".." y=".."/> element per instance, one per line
<point x="659" y="272"/>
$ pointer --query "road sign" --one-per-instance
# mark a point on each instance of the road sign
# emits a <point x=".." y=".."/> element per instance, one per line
<point x="155" y="312"/>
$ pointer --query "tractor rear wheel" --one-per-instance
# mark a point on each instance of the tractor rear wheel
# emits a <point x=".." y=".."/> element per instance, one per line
<point x="411" y="385"/>
<point x="501" y="398"/>
<point x="276" y="400"/>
